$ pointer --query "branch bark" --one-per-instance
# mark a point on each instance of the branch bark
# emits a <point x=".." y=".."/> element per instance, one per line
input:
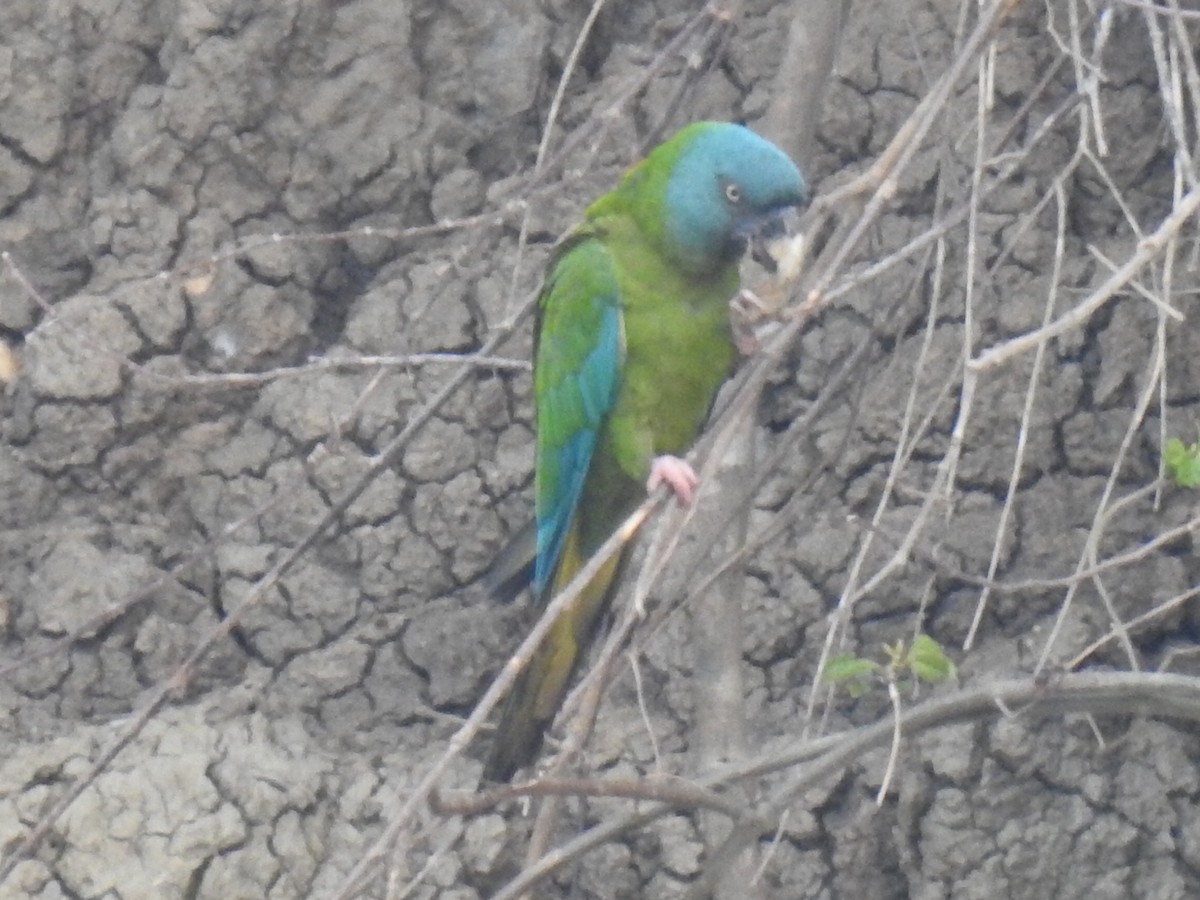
<point x="808" y="58"/>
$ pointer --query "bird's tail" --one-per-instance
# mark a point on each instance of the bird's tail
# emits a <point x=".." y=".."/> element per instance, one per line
<point x="512" y="570"/>
<point x="542" y="684"/>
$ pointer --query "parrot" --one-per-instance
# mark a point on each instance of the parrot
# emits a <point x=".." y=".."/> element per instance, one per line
<point x="632" y="341"/>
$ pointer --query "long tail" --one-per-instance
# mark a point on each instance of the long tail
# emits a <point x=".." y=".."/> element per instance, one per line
<point x="541" y="686"/>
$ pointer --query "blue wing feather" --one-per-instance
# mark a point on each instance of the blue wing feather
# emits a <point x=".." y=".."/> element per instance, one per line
<point x="577" y="372"/>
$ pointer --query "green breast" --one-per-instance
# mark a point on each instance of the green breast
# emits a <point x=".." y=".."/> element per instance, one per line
<point x="678" y="350"/>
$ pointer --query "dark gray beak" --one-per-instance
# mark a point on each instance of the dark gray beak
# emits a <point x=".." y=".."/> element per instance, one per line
<point x="759" y="243"/>
<point x="761" y="231"/>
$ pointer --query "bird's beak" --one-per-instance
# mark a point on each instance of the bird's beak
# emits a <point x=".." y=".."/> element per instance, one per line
<point x="763" y="232"/>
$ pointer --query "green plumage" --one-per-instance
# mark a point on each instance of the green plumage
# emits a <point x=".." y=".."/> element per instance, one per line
<point x="633" y="341"/>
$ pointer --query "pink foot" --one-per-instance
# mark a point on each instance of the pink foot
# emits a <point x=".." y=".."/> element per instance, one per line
<point x="678" y="474"/>
<point x="745" y="340"/>
<point x="750" y="306"/>
<point x="746" y="311"/>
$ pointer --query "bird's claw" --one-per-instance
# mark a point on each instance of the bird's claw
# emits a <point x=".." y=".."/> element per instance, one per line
<point x="749" y="306"/>
<point x="678" y="474"/>
<point x="746" y="311"/>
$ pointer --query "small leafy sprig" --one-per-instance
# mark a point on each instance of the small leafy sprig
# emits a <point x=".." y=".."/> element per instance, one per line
<point x="924" y="659"/>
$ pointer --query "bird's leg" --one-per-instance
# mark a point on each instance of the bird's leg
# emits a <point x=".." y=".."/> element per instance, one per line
<point x="678" y="474"/>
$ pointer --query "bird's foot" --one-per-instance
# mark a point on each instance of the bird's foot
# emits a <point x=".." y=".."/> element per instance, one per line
<point x="745" y="340"/>
<point x="678" y="474"/>
<point x="747" y="312"/>
<point x="750" y="306"/>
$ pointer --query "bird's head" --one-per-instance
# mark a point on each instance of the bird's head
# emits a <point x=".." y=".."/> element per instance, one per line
<point x="723" y="186"/>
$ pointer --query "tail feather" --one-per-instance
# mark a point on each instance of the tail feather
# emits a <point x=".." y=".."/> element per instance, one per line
<point x="522" y="726"/>
<point x="542" y="684"/>
<point x="512" y="570"/>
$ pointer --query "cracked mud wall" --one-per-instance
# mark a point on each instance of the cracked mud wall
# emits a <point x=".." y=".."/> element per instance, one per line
<point x="148" y="480"/>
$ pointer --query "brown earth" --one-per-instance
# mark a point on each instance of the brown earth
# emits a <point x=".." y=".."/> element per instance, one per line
<point x="139" y="508"/>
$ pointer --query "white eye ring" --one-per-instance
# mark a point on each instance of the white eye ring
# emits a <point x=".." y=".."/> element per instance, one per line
<point x="733" y="193"/>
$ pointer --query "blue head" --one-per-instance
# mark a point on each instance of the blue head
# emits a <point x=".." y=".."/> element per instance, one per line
<point x="724" y="185"/>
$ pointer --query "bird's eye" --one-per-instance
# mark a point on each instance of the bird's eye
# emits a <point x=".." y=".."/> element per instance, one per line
<point x="733" y="193"/>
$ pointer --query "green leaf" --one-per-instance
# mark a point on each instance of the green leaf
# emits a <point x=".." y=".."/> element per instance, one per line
<point x="1183" y="462"/>
<point x="1189" y="476"/>
<point x="929" y="661"/>
<point x="1174" y="451"/>
<point x="846" y="666"/>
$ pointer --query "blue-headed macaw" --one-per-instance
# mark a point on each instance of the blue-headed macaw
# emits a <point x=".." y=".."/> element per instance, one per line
<point x="633" y="341"/>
